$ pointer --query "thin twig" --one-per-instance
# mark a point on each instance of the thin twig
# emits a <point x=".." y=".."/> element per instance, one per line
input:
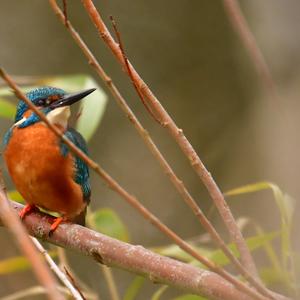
<point x="241" y="27"/>
<point x="35" y="291"/>
<point x="130" y="198"/>
<point x="180" y="138"/>
<point x="61" y="275"/>
<point x="118" y="36"/>
<point x="137" y="259"/>
<point x="13" y="223"/>
<point x="64" y="264"/>
<point x="65" y="12"/>
<point x="154" y="150"/>
<point x="112" y="288"/>
<point x="74" y="283"/>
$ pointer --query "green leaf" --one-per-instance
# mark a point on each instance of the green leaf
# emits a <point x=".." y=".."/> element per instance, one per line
<point x="271" y="276"/>
<point x="269" y="250"/>
<point x="285" y="205"/>
<point x="7" y="109"/>
<point x="159" y="292"/>
<point x="176" y="252"/>
<point x="284" y="202"/>
<point x="69" y="83"/>
<point x="253" y="243"/>
<point x="134" y="288"/>
<point x="18" y="264"/>
<point x="106" y="221"/>
<point x="92" y="110"/>
<point x="190" y="297"/>
<point x="216" y="256"/>
<point x="16" y="196"/>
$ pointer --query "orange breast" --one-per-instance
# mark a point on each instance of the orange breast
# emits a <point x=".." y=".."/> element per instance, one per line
<point x="41" y="174"/>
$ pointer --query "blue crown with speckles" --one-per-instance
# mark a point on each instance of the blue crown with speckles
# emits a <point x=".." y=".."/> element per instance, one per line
<point x="34" y="95"/>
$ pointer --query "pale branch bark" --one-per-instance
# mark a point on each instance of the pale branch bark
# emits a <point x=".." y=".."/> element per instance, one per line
<point x="59" y="273"/>
<point x="178" y="135"/>
<point x="177" y="182"/>
<point x="136" y="259"/>
<point x="132" y="200"/>
<point x="14" y="225"/>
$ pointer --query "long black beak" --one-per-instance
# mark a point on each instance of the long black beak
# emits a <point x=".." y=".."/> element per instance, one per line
<point x="70" y="99"/>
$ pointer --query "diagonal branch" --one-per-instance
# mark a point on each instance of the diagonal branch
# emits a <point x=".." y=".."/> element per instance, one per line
<point x="177" y="182"/>
<point x="61" y="275"/>
<point x="241" y="27"/>
<point x="12" y="222"/>
<point x="180" y="138"/>
<point x="132" y="200"/>
<point x="111" y="252"/>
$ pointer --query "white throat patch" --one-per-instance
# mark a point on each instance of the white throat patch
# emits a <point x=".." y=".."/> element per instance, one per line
<point x="59" y="116"/>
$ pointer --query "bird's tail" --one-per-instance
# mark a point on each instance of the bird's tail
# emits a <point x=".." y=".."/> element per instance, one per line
<point x="80" y="219"/>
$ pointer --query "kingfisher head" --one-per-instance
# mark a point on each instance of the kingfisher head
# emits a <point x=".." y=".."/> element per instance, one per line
<point x="53" y="102"/>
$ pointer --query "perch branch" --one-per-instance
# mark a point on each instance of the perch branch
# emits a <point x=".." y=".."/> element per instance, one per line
<point x="151" y="145"/>
<point x="130" y="198"/>
<point x="180" y="138"/>
<point x="137" y="259"/>
<point x="13" y="223"/>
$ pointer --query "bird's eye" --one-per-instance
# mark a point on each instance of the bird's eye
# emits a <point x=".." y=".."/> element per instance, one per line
<point x="40" y="102"/>
<point x="43" y="102"/>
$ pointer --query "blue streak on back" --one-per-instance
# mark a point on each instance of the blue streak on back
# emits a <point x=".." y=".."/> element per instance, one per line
<point x="82" y="172"/>
<point x="7" y="136"/>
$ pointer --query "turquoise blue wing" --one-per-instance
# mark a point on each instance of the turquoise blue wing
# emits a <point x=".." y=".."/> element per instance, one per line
<point x="82" y="174"/>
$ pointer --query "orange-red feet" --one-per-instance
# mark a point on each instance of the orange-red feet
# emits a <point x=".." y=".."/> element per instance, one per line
<point x="26" y="210"/>
<point x="55" y="224"/>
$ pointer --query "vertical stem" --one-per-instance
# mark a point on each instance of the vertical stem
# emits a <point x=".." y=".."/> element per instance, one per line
<point x="107" y="272"/>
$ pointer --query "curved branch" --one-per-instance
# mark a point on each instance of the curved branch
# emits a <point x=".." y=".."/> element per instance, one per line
<point x="136" y="259"/>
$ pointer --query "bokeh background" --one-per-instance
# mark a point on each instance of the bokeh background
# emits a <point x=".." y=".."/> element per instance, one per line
<point x="196" y="65"/>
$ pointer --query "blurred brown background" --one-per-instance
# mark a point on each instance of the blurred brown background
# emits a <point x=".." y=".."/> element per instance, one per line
<point x="189" y="55"/>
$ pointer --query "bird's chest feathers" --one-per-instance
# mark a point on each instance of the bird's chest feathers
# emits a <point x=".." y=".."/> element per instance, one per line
<point x="59" y="116"/>
<point x="34" y="158"/>
<point x="40" y="172"/>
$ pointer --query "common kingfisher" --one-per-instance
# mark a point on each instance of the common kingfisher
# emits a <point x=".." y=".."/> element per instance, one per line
<point x="44" y="171"/>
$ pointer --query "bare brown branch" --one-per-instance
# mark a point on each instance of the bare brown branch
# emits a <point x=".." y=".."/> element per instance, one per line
<point x="118" y="36"/>
<point x="180" y="138"/>
<point x="241" y="27"/>
<point x="61" y="275"/>
<point x="137" y="259"/>
<point x="13" y="223"/>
